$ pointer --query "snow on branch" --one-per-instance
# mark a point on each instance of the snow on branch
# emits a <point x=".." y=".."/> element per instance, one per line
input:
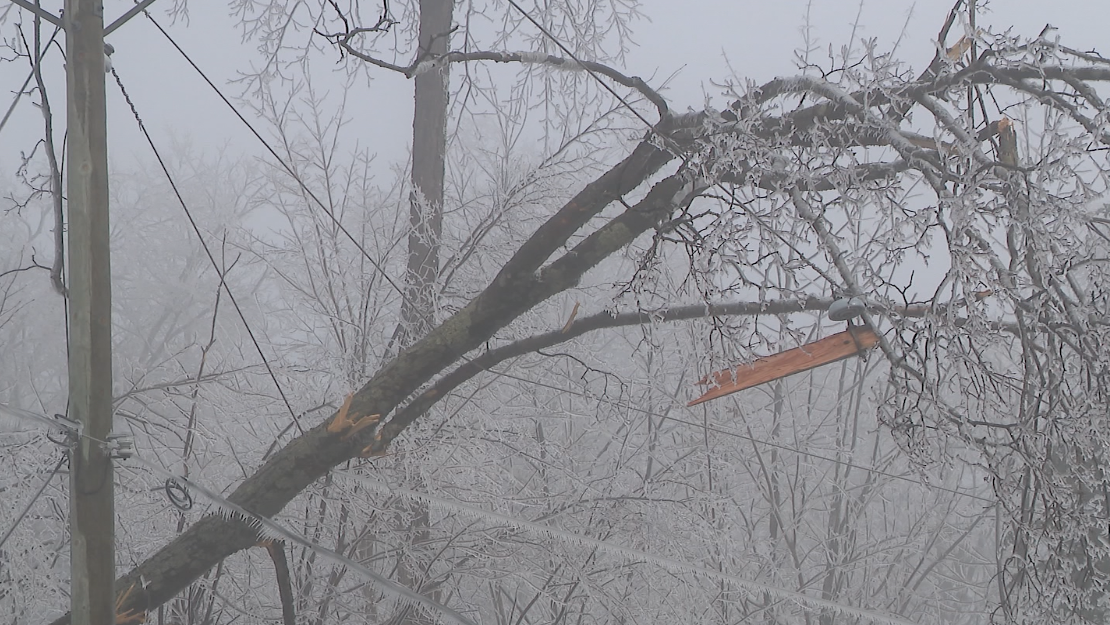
<point x="426" y="63"/>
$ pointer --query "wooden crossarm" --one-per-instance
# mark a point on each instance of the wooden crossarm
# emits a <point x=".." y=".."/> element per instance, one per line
<point x="853" y="341"/>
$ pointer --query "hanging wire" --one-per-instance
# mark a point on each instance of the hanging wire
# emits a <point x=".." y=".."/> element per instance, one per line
<point x="177" y="494"/>
<point x="207" y="251"/>
<point x="58" y="424"/>
<point x="3" y="122"/>
<point x="27" y="509"/>
<point x="268" y="528"/>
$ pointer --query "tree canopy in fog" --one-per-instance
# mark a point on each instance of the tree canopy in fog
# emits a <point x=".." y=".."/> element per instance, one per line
<point x="455" y="387"/>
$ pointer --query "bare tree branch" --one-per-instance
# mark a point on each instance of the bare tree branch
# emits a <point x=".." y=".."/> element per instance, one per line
<point x="427" y="62"/>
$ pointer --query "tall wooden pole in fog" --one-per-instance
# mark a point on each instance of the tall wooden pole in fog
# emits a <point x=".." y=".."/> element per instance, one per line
<point x="92" y="514"/>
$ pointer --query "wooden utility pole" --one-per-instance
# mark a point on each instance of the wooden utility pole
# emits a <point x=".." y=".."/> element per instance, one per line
<point x="92" y="513"/>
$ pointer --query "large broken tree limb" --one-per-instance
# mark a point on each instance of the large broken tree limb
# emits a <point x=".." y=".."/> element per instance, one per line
<point x="517" y="288"/>
<point x="559" y="276"/>
<point x="521" y="284"/>
<point x="491" y="358"/>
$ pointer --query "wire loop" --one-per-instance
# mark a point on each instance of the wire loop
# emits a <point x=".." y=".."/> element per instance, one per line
<point x="178" y="494"/>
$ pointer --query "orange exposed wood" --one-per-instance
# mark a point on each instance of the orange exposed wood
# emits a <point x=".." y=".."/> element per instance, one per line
<point x="855" y="340"/>
<point x="347" y="424"/>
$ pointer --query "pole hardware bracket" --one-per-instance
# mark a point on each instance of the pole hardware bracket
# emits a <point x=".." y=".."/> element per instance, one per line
<point x="120" y="446"/>
<point x="70" y="430"/>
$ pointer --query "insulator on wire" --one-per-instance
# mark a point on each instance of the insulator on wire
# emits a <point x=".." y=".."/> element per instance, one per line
<point x="847" y="308"/>
<point x="120" y="446"/>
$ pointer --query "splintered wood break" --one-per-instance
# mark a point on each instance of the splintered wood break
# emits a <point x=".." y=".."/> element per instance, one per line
<point x="368" y="451"/>
<point x="570" y="321"/>
<point x="340" y="423"/>
<point x="1007" y="142"/>
<point x="134" y="616"/>
<point x="855" y="340"/>
<point x="347" y="425"/>
<point x="961" y="47"/>
<point x="360" y="423"/>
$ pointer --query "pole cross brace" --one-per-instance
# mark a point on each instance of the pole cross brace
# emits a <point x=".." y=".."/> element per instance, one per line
<point x="57" y="20"/>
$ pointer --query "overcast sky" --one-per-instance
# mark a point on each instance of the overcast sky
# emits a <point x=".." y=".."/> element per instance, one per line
<point x="694" y="42"/>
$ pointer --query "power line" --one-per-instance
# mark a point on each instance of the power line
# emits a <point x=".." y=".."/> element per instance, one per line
<point x="269" y="528"/>
<point x="30" y="75"/>
<point x="41" y="420"/>
<point x="27" y="509"/>
<point x="632" y="554"/>
<point x="207" y="251"/>
<point x="709" y="428"/>
<point x="36" y="418"/>
<point x="281" y="161"/>
<point x="574" y="58"/>
<point x="726" y="432"/>
<point x="265" y="525"/>
<point x="292" y="173"/>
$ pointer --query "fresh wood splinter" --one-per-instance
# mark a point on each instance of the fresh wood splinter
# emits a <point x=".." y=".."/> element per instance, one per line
<point x="346" y="425"/>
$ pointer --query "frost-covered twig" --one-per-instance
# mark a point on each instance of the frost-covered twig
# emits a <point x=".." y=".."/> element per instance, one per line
<point x="425" y="63"/>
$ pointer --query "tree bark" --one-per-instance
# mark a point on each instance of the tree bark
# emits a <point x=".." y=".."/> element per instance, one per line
<point x="429" y="151"/>
<point x="418" y="308"/>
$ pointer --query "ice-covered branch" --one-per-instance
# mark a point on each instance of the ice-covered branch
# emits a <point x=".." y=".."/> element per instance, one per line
<point x="425" y="63"/>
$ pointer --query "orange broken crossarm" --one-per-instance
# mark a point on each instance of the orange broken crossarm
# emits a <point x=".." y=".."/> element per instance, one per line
<point x="853" y="341"/>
